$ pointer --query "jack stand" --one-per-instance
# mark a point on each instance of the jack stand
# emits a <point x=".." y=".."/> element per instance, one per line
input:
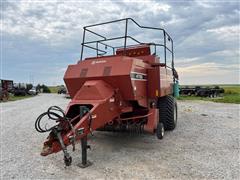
<point x="85" y="163"/>
<point x="67" y="158"/>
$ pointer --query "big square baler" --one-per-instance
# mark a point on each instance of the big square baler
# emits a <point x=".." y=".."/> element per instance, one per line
<point x="131" y="89"/>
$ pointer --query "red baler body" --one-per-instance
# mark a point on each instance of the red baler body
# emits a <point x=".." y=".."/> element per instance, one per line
<point x="121" y="92"/>
<point x="113" y="86"/>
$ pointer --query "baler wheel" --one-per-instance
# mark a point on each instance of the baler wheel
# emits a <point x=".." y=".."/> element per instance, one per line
<point x="68" y="160"/>
<point x="168" y="112"/>
<point x="160" y="130"/>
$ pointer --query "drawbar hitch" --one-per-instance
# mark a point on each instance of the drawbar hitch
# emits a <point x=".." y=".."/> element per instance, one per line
<point x="57" y="114"/>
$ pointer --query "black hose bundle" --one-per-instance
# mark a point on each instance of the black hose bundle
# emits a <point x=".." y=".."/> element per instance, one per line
<point x="54" y="113"/>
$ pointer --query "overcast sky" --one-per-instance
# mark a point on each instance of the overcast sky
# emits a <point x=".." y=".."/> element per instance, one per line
<point x="40" y="38"/>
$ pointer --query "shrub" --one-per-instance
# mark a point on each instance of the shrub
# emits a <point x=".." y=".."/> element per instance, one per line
<point x="43" y="88"/>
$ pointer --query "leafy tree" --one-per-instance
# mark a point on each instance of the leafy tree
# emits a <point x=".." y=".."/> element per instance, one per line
<point x="38" y="87"/>
<point x="29" y="86"/>
<point x="43" y="88"/>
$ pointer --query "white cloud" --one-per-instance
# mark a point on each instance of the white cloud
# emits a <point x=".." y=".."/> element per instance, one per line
<point x="209" y="73"/>
<point x="50" y="20"/>
<point x="187" y="60"/>
<point x="204" y="68"/>
<point x="227" y="32"/>
<point x="233" y="53"/>
<point x="204" y="4"/>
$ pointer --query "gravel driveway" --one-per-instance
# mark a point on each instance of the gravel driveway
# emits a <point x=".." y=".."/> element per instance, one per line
<point x="205" y="145"/>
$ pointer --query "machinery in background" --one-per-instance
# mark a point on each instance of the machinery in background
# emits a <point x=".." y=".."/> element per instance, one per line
<point x="207" y="91"/>
<point x="6" y="87"/>
<point x="20" y="89"/>
<point x="23" y="89"/>
<point x="62" y="90"/>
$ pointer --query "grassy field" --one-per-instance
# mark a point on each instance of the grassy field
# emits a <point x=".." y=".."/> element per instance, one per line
<point x="15" y="98"/>
<point x="53" y="89"/>
<point x="231" y="95"/>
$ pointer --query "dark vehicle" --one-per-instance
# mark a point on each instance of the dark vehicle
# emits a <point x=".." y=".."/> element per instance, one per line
<point x="62" y="90"/>
<point x="209" y="91"/>
<point x="20" y="89"/>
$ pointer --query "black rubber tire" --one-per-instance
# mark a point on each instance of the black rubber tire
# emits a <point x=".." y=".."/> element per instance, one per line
<point x="68" y="161"/>
<point x="160" y="130"/>
<point x="168" y="112"/>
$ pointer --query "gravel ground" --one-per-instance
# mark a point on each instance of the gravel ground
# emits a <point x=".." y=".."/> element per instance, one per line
<point x="205" y="144"/>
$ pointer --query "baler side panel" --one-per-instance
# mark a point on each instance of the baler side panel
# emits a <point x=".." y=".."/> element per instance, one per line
<point x="139" y="81"/>
<point x="166" y="82"/>
<point x="159" y="82"/>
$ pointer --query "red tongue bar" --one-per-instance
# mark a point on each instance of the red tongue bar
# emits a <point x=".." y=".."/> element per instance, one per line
<point x="51" y="145"/>
<point x="46" y="150"/>
<point x="48" y="146"/>
<point x="96" y="94"/>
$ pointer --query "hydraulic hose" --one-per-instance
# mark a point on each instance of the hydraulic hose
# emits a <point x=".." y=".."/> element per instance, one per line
<point x="54" y="113"/>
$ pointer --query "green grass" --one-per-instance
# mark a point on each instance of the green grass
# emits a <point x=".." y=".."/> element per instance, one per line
<point x="231" y="95"/>
<point x="229" y="98"/>
<point x="53" y="89"/>
<point x="231" y="89"/>
<point x="15" y="98"/>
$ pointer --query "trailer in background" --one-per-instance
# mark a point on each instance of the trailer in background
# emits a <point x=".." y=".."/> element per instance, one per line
<point x="202" y="91"/>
